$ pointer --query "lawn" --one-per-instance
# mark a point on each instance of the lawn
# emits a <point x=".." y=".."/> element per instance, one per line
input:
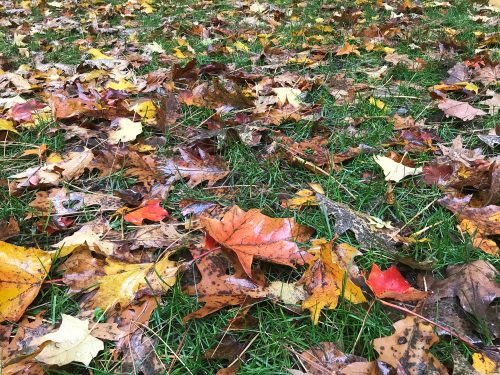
<point x="345" y="102"/>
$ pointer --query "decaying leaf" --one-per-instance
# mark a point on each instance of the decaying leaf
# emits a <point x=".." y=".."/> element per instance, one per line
<point x="23" y="271"/>
<point x="117" y="282"/>
<point x="230" y="350"/>
<point x="9" y="229"/>
<point x="72" y="342"/>
<point x="124" y="130"/>
<point x="408" y="347"/>
<point x="218" y="287"/>
<point x="326" y="280"/>
<point x="359" y="223"/>
<point x="462" y="110"/>
<point x="252" y="234"/>
<point x="476" y="288"/>
<point x="303" y="198"/>
<point x="71" y="166"/>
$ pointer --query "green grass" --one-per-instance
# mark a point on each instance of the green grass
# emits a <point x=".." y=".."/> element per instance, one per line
<point x="261" y="181"/>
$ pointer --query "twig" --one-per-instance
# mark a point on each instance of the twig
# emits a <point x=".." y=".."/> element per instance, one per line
<point x="362" y="326"/>
<point x="181" y="344"/>
<point x="238" y="358"/>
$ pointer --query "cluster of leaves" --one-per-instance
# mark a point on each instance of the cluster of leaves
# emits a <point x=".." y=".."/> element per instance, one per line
<point x="115" y="140"/>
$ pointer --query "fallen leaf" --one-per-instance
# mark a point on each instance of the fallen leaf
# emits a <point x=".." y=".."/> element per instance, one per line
<point x="8" y="126"/>
<point x="149" y="210"/>
<point x="52" y="174"/>
<point x="288" y="293"/>
<point x="409" y="347"/>
<point x="475" y="286"/>
<point x="393" y="170"/>
<point x="359" y="223"/>
<point x="288" y="95"/>
<point x="391" y="284"/>
<point x="230" y="350"/>
<point x="327" y="359"/>
<point x="117" y="282"/>
<point x="72" y="342"/>
<point x="251" y="234"/>
<point x="23" y="271"/>
<point x="348" y="49"/>
<point x="125" y="130"/>
<point x="218" y="287"/>
<point x="303" y="198"/>
<point x="196" y="165"/>
<point x="9" y="229"/>
<point x="325" y="281"/>
<point x="461" y="110"/>
<point x="483" y="364"/>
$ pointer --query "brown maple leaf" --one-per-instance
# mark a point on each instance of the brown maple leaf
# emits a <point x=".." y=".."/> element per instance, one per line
<point x="252" y="234"/>
<point x="408" y="348"/>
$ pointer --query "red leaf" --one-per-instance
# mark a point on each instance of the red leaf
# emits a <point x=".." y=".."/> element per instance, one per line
<point x="150" y="210"/>
<point x="389" y="280"/>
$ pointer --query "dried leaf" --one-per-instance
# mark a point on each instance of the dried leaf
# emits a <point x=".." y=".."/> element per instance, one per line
<point x="9" y="229"/>
<point x="461" y="110"/>
<point x="52" y="174"/>
<point x="125" y="130"/>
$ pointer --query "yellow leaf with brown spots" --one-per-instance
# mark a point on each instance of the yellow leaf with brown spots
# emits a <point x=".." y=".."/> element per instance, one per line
<point x="327" y="279"/>
<point x="22" y="271"/>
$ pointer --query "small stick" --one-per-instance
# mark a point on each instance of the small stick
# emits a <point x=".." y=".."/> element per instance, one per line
<point x="362" y="326"/>
<point x="238" y="358"/>
<point x="176" y="354"/>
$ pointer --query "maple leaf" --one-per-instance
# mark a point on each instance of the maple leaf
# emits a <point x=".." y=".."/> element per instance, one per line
<point x="71" y="166"/>
<point x="251" y="234"/>
<point x="391" y="284"/>
<point x="125" y="130"/>
<point x="7" y="125"/>
<point x="326" y="280"/>
<point x="217" y="288"/>
<point x="196" y="165"/>
<point x="23" y="271"/>
<point x="72" y="342"/>
<point x="118" y="283"/>
<point x="149" y="210"/>
<point x="9" y="229"/>
<point x="408" y="347"/>
<point x="393" y="170"/>
<point x="461" y="110"/>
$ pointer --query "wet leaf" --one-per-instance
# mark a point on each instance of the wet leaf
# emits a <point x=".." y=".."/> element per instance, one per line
<point x="251" y="234"/>
<point x="391" y="284"/>
<point x="23" y="271"/>
<point x="409" y="347"/>
<point x="149" y="210"/>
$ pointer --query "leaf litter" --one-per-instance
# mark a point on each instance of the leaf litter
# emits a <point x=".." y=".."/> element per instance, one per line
<point x="117" y="141"/>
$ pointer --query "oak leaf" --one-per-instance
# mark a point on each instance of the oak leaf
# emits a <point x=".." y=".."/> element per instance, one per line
<point x="72" y="342"/>
<point x="23" y="271"/>
<point x="252" y="234"/>
<point x="409" y="347"/>
<point x="326" y="279"/>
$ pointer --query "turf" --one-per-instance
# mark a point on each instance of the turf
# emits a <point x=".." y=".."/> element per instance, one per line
<point x="257" y="183"/>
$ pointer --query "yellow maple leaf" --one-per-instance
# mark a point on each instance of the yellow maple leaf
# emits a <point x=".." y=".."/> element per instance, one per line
<point x="146" y="109"/>
<point x="23" y="271"/>
<point x="377" y="103"/>
<point x="7" y="125"/>
<point x="241" y="46"/>
<point x="98" y="55"/>
<point x="122" y="85"/>
<point x="326" y="279"/>
<point x="483" y="364"/>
